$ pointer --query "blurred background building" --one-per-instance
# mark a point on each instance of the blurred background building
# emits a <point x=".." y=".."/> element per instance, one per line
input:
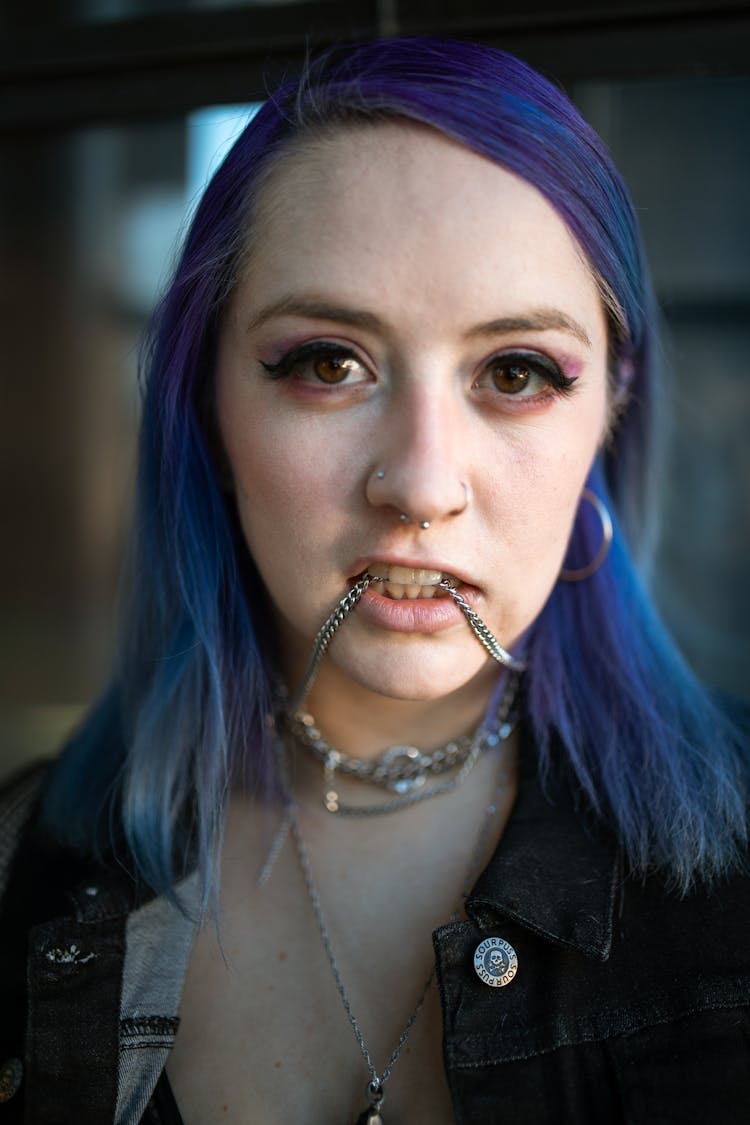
<point x="112" y="114"/>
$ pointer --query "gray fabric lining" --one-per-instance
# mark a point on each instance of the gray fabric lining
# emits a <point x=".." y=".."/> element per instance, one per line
<point x="158" y="943"/>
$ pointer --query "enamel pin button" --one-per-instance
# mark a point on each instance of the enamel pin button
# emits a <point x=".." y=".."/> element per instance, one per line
<point x="495" y="962"/>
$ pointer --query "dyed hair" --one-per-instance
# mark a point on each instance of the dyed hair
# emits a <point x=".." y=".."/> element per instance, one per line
<point x="609" y="698"/>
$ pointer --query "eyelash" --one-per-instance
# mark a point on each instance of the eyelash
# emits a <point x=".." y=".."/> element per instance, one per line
<point x="533" y="363"/>
<point x="295" y="358"/>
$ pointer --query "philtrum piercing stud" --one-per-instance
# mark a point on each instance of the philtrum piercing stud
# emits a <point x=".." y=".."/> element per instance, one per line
<point x="424" y="524"/>
<point x="380" y="474"/>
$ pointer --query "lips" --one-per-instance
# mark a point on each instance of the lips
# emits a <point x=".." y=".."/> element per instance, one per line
<point x="404" y="596"/>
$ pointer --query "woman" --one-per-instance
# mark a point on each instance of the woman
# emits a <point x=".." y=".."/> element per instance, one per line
<point x="401" y="806"/>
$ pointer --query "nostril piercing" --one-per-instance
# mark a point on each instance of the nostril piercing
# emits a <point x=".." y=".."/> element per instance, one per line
<point x="404" y="518"/>
<point x="380" y="474"/>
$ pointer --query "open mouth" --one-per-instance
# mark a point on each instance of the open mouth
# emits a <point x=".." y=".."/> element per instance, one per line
<point x="398" y="582"/>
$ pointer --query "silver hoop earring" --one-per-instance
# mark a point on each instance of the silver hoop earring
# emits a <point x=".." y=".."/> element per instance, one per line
<point x="577" y="574"/>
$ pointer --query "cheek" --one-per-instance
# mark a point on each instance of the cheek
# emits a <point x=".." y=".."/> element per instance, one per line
<point x="535" y="497"/>
<point x="287" y="486"/>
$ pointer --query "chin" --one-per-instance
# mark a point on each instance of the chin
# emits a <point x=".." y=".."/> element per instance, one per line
<point x="416" y="676"/>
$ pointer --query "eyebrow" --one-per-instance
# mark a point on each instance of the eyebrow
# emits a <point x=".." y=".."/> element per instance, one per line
<point x="536" y="320"/>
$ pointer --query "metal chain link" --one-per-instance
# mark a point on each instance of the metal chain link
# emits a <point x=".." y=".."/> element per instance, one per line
<point x="489" y="734"/>
<point x="325" y="635"/>
<point x="291" y="818"/>
<point x="482" y="632"/>
<point x="347" y="603"/>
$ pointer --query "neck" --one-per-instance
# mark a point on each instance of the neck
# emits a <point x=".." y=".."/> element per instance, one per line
<point x="362" y="723"/>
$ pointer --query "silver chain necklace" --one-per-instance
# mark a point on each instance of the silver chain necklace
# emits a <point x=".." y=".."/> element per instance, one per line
<point x="408" y="777"/>
<point x="375" y="1090"/>
<point x="290" y="820"/>
<point x="404" y="780"/>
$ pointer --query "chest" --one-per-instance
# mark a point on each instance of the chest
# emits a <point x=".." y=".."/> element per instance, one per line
<point x="264" y="1032"/>
<point x="264" y="1035"/>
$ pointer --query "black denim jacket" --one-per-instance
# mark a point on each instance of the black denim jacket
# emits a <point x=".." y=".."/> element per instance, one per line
<point x="630" y="1004"/>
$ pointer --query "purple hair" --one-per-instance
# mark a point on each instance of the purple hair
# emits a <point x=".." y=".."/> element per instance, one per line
<point x="609" y="698"/>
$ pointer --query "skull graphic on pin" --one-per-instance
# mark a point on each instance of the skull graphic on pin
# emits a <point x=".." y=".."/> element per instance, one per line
<point x="495" y="962"/>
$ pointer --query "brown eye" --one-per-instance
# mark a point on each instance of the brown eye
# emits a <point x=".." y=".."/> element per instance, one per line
<point x="510" y="378"/>
<point x="523" y="375"/>
<point x="334" y="369"/>
<point x="319" y="362"/>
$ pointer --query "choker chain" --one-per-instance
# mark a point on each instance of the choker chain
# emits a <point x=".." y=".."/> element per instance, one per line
<point x="402" y="770"/>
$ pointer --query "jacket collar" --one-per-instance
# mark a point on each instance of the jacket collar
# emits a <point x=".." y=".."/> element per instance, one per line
<point x="552" y="872"/>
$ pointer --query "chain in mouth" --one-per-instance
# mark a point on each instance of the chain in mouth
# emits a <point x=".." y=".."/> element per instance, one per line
<point x="446" y="584"/>
<point x="398" y="582"/>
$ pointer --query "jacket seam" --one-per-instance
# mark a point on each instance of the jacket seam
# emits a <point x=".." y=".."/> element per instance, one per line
<point x="657" y="1021"/>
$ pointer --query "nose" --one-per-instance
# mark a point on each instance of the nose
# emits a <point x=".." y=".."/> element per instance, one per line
<point x="421" y="469"/>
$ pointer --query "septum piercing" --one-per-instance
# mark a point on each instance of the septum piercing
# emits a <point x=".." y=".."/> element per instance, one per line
<point x="424" y="524"/>
<point x="405" y="518"/>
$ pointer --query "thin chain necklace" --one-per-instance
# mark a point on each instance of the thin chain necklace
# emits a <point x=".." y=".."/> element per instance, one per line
<point x="290" y="821"/>
<point x="376" y="1085"/>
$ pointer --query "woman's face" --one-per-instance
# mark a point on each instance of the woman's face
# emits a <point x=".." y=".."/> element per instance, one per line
<point x="415" y="332"/>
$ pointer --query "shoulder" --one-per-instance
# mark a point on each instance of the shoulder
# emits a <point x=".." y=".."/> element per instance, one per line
<point x="18" y="799"/>
<point x="64" y="935"/>
<point x="623" y="988"/>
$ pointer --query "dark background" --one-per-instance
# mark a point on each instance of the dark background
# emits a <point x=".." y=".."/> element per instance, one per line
<point x="107" y="117"/>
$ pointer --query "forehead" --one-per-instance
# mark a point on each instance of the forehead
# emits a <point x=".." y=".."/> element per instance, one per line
<point x="393" y="208"/>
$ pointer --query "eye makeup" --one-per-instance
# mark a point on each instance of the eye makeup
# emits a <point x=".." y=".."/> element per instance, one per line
<point x="520" y="373"/>
<point x="520" y="378"/>
<point x="331" y="363"/>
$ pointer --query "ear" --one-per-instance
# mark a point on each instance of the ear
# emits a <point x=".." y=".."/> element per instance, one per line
<point x="619" y="382"/>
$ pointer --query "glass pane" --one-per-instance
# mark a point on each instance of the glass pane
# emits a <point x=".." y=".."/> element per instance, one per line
<point x="44" y="13"/>
<point x="89" y="224"/>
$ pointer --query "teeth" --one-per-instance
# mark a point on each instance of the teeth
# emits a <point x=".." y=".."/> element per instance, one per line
<point x="405" y="576"/>
<point x="398" y="590"/>
<point x="399" y="582"/>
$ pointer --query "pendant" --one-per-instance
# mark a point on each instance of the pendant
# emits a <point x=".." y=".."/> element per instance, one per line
<point x="370" y="1116"/>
